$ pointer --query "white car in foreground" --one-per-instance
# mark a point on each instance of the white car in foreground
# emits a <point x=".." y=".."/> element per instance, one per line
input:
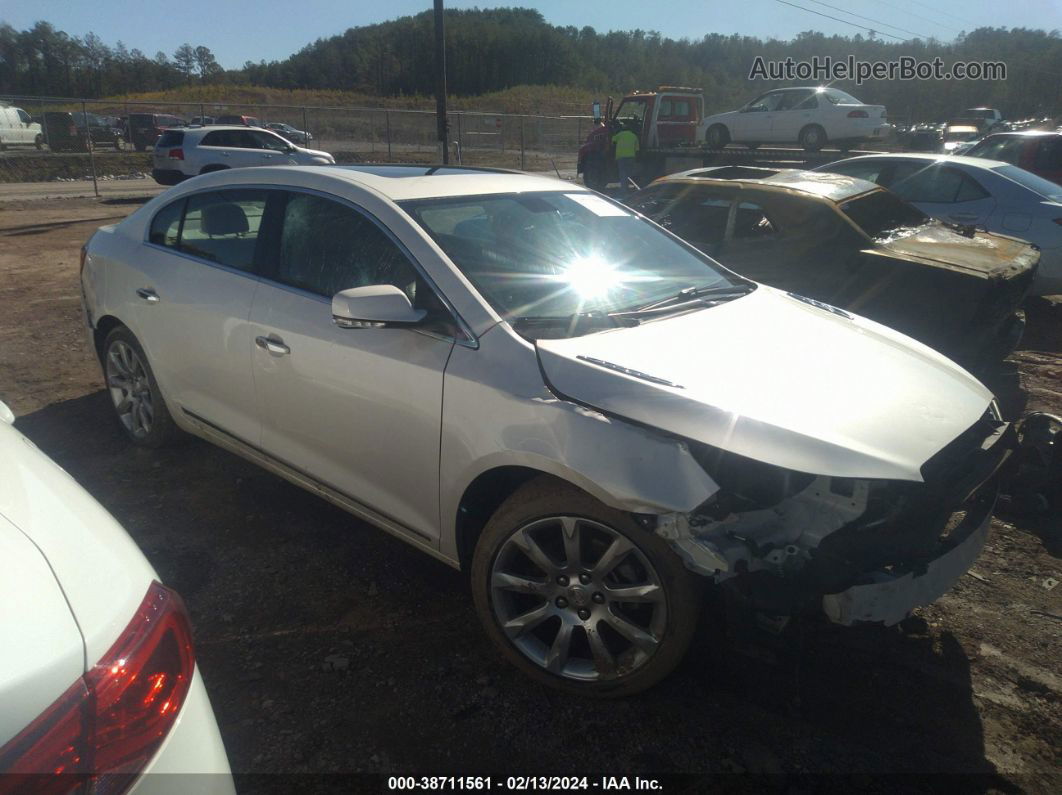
<point x="538" y="385"/>
<point x="98" y="680"/>
<point x="189" y="151"/>
<point x="973" y="191"/>
<point x="811" y="117"/>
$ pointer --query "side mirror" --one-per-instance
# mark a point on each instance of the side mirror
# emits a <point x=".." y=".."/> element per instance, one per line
<point x="597" y="111"/>
<point x="375" y="306"/>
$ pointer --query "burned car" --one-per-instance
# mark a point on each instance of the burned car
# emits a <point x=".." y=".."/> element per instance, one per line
<point x="538" y="386"/>
<point x="857" y="247"/>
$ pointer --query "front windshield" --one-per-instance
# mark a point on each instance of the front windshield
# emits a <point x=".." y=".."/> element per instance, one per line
<point x="556" y="254"/>
<point x="883" y="215"/>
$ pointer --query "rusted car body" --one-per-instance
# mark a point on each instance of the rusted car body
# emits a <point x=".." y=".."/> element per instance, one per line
<point x="853" y="245"/>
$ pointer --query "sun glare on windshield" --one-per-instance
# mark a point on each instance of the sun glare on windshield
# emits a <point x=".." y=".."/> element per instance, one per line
<point x="591" y="277"/>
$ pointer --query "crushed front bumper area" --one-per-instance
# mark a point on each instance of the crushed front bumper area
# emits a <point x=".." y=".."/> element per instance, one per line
<point x="890" y="596"/>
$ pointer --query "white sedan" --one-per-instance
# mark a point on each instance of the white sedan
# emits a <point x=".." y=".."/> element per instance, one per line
<point x="98" y="675"/>
<point x="973" y="191"/>
<point x="811" y="117"/>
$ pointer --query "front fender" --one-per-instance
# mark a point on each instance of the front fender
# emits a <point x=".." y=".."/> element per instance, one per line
<point x="502" y="414"/>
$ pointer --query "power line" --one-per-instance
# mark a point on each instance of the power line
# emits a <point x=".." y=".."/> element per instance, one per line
<point x="868" y="19"/>
<point x="843" y="21"/>
<point x="916" y="16"/>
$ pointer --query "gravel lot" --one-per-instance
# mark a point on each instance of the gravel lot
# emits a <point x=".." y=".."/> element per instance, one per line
<point x="327" y="646"/>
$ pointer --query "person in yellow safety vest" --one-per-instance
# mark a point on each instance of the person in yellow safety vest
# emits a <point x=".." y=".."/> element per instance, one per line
<point x="626" y="143"/>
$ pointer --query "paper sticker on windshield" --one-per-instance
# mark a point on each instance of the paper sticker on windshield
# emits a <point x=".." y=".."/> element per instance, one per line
<point x="596" y="204"/>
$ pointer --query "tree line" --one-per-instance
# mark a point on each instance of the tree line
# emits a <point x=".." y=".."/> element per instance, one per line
<point x="494" y="49"/>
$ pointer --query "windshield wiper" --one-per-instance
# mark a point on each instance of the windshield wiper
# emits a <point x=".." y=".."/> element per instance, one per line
<point x="688" y="296"/>
<point x="575" y="321"/>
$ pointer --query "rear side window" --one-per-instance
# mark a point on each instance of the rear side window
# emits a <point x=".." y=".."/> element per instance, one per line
<point x="934" y="184"/>
<point x="1049" y="154"/>
<point x="327" y="247"/>
<point x="225" y="138"/>
<point x="222" y="226"/>
<point x="869" y="170"/>
<point x="170" y="138"/>
<point x="166" y="225"/>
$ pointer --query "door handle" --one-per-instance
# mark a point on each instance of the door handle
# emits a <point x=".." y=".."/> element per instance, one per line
<point x="276" y="346"/>
<point x="148" y="295"/>
<point x="223" y="154"/>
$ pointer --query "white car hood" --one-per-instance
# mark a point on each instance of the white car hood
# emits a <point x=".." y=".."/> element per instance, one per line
<point x="709" y="120"/>
<point x="775" y="379"/>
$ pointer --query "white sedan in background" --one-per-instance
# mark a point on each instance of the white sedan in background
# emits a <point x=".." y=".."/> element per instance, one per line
<point x="98" y="675"/>
<point x="811" y="117"/>
<point x="973" y="191"/>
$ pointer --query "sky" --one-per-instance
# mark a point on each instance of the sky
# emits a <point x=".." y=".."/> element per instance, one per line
<point x="277" y="28"/>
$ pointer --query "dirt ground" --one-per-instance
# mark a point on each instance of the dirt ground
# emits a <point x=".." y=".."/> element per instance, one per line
<point x="329" y="647"/>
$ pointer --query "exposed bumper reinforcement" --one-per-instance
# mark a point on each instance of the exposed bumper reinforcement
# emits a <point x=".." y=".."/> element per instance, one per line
<point x="892" y="597"/>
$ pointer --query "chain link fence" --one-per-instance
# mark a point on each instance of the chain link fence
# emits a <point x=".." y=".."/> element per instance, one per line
<point x="351" y="135"/>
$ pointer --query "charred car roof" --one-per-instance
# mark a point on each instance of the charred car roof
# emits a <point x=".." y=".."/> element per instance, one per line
<point x="833" y="187"/>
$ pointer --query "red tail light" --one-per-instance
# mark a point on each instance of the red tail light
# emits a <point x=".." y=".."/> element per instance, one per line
<point x="858" y="114"/>
<point x="108" y="725"/>
<point x="176" y="154"/>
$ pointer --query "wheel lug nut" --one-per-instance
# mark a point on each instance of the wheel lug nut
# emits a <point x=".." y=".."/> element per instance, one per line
<point x="599" y="598"/>
<point x="562" y="602"/>
<point x="562" y="580"/>
<point x="584" y="613"/>
<point x="584" y="578"/>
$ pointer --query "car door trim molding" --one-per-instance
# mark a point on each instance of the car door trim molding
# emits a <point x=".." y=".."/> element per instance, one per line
<point x="298" y="477"/>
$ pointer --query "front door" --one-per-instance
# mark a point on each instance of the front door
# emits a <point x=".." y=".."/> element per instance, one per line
<point x="358" y="410"/>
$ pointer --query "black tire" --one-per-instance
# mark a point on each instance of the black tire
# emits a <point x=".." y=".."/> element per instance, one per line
<point x="211" y="169"/>
<point x="717" y="136"/>
<point x="139" y="147"/>
<point x="3" y="146"/>
<point x="39" y="142"/>
<point x="160" y="430"/>
<point x="537" y="507"/>
<point x="812" y="138"/>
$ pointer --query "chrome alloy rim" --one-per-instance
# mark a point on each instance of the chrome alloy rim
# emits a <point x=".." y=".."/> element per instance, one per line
<point x="130" y="389"/>
<point x="577" y="598"/>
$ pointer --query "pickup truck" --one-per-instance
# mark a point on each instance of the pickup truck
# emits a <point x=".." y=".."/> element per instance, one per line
<point x="986" y="120"/>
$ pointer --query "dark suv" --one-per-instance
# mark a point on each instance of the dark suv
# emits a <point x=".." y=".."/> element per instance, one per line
<point x="145" y="128"/>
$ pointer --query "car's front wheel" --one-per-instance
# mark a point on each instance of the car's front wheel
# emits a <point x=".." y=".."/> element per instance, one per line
<point x="579" y="596"/>
<point x="138" y="403"/>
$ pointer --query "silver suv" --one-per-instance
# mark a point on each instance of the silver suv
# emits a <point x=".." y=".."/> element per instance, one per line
<point x="184" y="153"/>
<point x="541" y="387"/>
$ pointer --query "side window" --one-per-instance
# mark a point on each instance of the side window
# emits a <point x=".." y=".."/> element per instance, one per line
<point x="970" y="190"/>
<point x="665" y="110"/>
<point x="216" y="138"/>
<point x="166" y="225"/>
<point x="25" y="117"/>
<point x="811" y="103"/>
<point x="930" y="184"/>
<point x="222" y="226"/>
<point x="791" y="99"/>
<point x="751" y="223"/>
<point x="326" y="247"/>
<point x="265" y="140"/>
<point x="244" y="139"/>
<point x="869" y="170"/>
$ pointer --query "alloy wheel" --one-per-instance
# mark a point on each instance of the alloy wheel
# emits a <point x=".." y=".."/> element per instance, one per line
<point x="130" y="388"/>
<point x="578" y="598"/>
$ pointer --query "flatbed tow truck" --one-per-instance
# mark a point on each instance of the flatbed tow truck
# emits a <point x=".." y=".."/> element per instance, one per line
<point x="666" y="121"/>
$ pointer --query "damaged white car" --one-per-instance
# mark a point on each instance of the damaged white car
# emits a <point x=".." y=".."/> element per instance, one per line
<point x="541" y="387"/>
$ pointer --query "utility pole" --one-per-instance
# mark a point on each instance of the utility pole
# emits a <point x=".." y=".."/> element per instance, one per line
<point x="440" y="81"/>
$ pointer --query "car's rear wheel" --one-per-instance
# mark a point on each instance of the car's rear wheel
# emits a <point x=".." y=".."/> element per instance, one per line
<point x="39" y="142"/>
<point x="211" y="169"/>
<point x="138" y="403"/>
<point x="717" y="136"/>
<point x="578" y="596"/>
<point x="813" y="138"/>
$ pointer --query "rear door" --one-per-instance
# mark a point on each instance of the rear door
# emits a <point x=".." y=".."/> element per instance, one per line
<point x="192" y="296"/>
<point x="358" y="410"/>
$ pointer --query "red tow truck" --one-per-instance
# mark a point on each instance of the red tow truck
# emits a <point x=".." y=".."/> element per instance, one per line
<point x="665" y="121"/>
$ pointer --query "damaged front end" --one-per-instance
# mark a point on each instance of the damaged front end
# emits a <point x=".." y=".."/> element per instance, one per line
<point x="860" y="550"/>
